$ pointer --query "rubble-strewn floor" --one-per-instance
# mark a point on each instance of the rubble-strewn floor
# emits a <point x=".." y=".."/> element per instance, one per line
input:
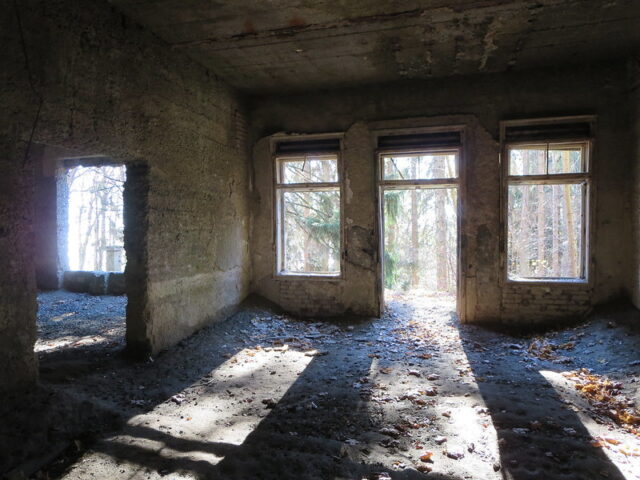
<point x="72" y="321"/>
<point x="268" y="396"/>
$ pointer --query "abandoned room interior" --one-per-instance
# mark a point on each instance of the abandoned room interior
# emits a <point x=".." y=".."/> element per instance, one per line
<point x="342" y="239"/>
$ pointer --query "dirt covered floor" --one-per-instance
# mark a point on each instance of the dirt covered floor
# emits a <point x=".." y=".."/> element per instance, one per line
<point x="72" y="321"/>
<point x="412" y="395"/>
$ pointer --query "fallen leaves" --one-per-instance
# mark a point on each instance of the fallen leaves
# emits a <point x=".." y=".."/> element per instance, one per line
<point x="610" y="442"/>
<point x="426" y="457"/>
<point x="545" y="350"/>
<point x="606" y="398"/>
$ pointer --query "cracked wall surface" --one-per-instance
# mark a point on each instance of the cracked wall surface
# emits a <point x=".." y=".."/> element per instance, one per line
<point x="480" y="103"/>
<point x="355" y="291"/>
<point x="110" y="88"/>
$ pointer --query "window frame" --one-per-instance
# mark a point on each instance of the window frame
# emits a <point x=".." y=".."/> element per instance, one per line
<point x="458" y="182"/>
<point x="279" y="188"/>
<point x="585" y="177"/>
<point x="442" y="182"/>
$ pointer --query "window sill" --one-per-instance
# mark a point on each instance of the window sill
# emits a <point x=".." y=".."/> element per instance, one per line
<point x="549" y="281"/>
<point x="309" y="276"/>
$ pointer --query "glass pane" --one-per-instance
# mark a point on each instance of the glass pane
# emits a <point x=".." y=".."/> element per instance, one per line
<point x="420" y="166"/>
<point x="420" y="241"/>
<point x="545" y="231"/>
<point x="529" y="160"/>
<point x="311" y="232"/>
<point x="309" y="170"/>
<point x="565" y="159"/>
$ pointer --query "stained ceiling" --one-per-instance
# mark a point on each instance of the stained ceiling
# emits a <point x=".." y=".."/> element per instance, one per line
<point x="284" y="45"/>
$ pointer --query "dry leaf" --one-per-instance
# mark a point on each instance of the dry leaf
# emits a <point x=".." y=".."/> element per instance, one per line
<point x="426" y="457"/>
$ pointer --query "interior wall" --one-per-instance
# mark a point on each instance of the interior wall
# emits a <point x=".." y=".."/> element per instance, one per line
<point x="634" y="70"/>
<point x="18" y="365"/>
<point x="110" y="88"/>
<point x="45" y="222"/>
<point x="355" y="291"/>
<point x="486" y="99"/>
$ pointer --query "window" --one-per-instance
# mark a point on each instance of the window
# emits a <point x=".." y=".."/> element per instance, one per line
<point x="547" y="210"/>
<point x="308" y="215"/>
<point x="94" y="218"/>
<point x="428" y="165"/>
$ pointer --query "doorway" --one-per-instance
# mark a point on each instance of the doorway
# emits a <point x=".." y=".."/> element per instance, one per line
<point x="419" y="205"/>
<point x="86" y="309"/>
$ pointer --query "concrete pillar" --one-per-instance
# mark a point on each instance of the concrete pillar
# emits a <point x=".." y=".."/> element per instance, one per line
<point x="18" y="364"/>
<point x="136" y="211"/>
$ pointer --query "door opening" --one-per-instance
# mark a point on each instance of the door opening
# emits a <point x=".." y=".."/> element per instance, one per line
<point x="88" y="314"/>
<point x="419" y="210"/>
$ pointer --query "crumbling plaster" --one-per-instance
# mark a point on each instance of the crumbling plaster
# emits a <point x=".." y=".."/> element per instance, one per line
<point x="479" y="102"/>
<point x="110" y="88"/>
<point x="287" y="45"/>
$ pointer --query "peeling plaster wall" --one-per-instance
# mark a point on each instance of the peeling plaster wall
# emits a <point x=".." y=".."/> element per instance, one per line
<point x="480" y="102"/>
<point x="353" y="292"/>
<point x="112" y="89"/>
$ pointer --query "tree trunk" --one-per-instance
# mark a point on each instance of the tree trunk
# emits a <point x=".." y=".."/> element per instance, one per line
<point x="415" y="245"/>
<point x="571" y="236"/>
<point x="541" y="265"/>
<point x="442" y="270"/>
<point x="555" y="258"/>
<point x="523" y="243"/>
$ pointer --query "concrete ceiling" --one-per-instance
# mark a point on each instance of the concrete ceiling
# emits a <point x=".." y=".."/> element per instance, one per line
<point x="285" y="45"/>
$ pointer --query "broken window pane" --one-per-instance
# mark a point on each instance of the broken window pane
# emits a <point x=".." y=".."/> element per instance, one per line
<point x="420" y="166"/>
<point x="545" y="225"/>
<point x="529" y="160"/>
<point x="565" y="159"/>
<point x="311" y="226"/>
<point x="312" y="169"/>
<point x="95" y="238"/>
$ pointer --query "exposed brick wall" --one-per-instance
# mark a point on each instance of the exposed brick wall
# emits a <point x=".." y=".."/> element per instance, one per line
<point x="309" y="298"/>
<point x="540" y="303"/>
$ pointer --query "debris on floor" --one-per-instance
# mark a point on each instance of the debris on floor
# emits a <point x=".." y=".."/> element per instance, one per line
<point x="414" y="394"/>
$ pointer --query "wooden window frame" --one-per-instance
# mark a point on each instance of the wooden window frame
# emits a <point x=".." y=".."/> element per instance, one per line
<point x="455" y="182"/>
<point x="584" y="177"/>
<point x="280" y="188"/>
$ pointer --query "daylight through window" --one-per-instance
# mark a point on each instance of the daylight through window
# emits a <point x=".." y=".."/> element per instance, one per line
<point x="96" y="227"/>
<point x="308" y="225"/>
<point x="547" y="194"/>
<point x="420" y="203"/>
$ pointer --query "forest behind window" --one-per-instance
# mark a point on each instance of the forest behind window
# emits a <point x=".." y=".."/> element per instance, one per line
<point x="96" y="227"/>
<point x="309" y="215"/>
<point x="546" y="213"/>
<point x="420" y="222"/>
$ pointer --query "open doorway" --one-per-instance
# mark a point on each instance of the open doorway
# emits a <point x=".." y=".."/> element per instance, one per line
<point x="87" y="310"/>
<point x="95" y="237"/>
<point x="419" y="210"/>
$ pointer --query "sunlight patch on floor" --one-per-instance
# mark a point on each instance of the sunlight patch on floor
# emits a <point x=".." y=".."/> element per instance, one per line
<point x="204" y="422"/>
<point x="462" y="420"/>
<point x="47" y="345"/>
<point x="613" y="445"/>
